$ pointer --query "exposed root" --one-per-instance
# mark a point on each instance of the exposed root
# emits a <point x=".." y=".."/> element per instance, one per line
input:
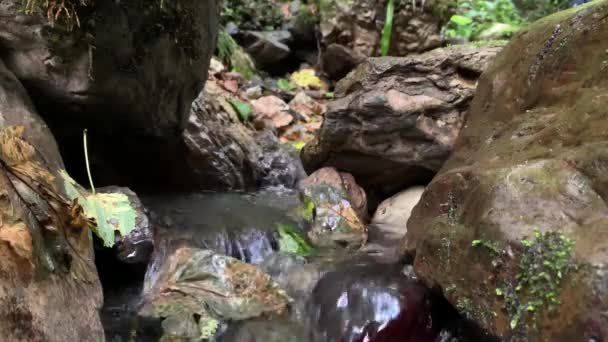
<point x="58" y="10"/>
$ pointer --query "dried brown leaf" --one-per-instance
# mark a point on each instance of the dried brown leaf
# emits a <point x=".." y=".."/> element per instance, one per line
<point x="19" y="238"/>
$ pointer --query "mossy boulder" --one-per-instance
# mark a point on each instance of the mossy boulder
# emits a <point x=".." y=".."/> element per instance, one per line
<point x="513" y="228"/>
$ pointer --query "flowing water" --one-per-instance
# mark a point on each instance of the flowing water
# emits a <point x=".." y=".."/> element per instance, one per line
<point x="337" y="294"/>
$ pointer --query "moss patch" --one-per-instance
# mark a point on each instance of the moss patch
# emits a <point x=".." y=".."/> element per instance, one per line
<point x="545" y="262"/>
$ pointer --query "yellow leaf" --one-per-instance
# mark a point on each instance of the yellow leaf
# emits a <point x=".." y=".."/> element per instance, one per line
<point x="307" y="79"/>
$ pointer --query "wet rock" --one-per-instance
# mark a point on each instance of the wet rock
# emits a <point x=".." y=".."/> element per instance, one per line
<point x="395" y="120"/>
<point x="357" y="26"/>
<point x="366" y="301"/>
<point x="49" y="288"/>
<point x="339" y="60"/>
<point x="296" y="276"/>
<point x="390" y="219"/>
<point x="513" y="227"/>
<point x="137" y="247"/>
<point x="243" y="226"/>
<point x="128" y="74"/>
<point x="273" y="109"/>
<point x="306" y="106"/>
<point x="340" y="208"/>
<point x="264" y="330"/>
<point x="98" y="72"/>
<point x="218" y="152"/>
<point x="280" y="164"/>
<point x="267" y="48"/>
<point x="195" y="289"/>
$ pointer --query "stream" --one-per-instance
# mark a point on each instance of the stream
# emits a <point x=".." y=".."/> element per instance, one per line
<point x="335" y="294"/>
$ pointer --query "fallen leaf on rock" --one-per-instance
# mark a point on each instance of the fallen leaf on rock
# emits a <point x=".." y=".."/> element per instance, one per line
<point x="306" y="106"/>
<point x="244" y="109"/>
<point x="285" y="85"/>
<point x="112" y="212"/>
<point x="273" y="108"/>
<point x="282" y="119"/>
<point x="19" y="156"/>
<point x="307" y="79"/>
<point x="313" y="126"/>
<point x="298" y="145"/>
<point x="269" y="106"/>
<point x="19" y="238"/>
<point x="231" y="85"/>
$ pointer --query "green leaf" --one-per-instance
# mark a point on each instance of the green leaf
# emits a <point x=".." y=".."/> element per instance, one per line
<point x="244" y="109"/>
<point x="285" y="85"/>
<point x="460" y="20"/>
<point x="291" y="242"/>
<point x="476" y="243"/>
<point x="112" y="211"/>
<point x="308" y="210"/>
<point x="385" y="44"/>
<point x="298" y="145"/>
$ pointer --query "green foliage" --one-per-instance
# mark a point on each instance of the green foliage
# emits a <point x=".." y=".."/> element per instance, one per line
<point x="291" y="242"/>
<point x="545" y="261"/>
<point x="285" y="85"/>
<point x="243" y="109"/>
<point x="230" y="53"/>
<point x="226" y="46"/>
<point x="476" y="16"/>
<point x="535" y="9"/>
<point x="492" y="246"/>
<point x="385" y="43"/>
<point x="308" y="210"/>
<point x="112" y="212"/>
<point x="252" y="14"/>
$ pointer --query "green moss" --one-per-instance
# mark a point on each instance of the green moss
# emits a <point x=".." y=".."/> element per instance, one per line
<point x="470" y="310"/>
<point x="491" y="246"/>
<point x="252" y="14"/>
<point x="229" y="52"/>
<point x="544" y="263"/>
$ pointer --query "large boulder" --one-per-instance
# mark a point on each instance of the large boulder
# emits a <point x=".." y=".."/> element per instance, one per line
<point x="395" y="120"/>
<point x="219" y="152"/>
<point x="129" y="67"/>
<point x="49" y="287"/>
<point x="126" y="71"/>
<point x="513" y="228"/>
<point x="356" y="25"/>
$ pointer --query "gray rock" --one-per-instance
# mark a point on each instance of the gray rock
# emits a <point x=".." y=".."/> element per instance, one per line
<point x="395" y="120"/>
<point x="267" y="48"/>
<point x="127" y="67"/>
<point x="129" y="74"/>
<point x="137" y="247"/>
<point x="339" y="60"/>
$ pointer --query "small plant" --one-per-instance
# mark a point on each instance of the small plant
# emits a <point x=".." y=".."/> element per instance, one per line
<point x="385" y="43"/>
<point x="544" y="263"/>
<point x="285" y="85"/>
<point x="478" y="18"/>
<point x="291" y="242"/>
<point x="57" y="10"/>
<point x="243" y="109"/>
